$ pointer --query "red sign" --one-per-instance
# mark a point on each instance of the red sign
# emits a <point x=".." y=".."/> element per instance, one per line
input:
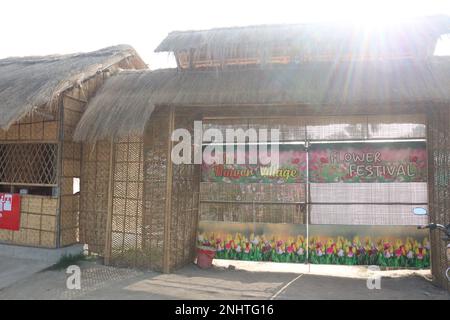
<point x="9" y="211"/>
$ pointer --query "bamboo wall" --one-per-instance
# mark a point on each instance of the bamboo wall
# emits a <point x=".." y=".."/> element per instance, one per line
<point x="74" y="103"/>
<point x="38" y="151"/>
<point x="35" y="127"/>
<point x="156" y="161"/>
<point x="184" y="202"/>
<point x="38" y="223"/>
<point x="148" y="208"/>
<point x="125" y="238"/>
<point x="439" y="187"/>
<point x="153" y="206"/>
<point x="29" y="158"/>
<point x="94" y="195"/>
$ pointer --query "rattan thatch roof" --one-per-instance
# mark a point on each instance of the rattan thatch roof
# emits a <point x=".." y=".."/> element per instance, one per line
<point x="419" y="35"/>
<point x="125" y="102"/>
<point x="30" y="82"/>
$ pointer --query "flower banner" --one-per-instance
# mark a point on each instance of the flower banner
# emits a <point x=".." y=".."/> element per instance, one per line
<point x="291" y="168"/>
<point x="368" y="162"/>
<point x="404" y="248"/>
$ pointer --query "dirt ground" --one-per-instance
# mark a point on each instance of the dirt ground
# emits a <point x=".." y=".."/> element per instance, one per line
<point x="240" y="281"/>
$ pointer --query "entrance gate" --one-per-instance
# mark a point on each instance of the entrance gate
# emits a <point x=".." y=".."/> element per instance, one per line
<point x="358" y="180"/>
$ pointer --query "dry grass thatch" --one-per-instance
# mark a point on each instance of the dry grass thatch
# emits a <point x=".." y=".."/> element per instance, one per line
<point x="30" y="82"/>
<point x="126" y="101"/>
<point x="415" y="35"/>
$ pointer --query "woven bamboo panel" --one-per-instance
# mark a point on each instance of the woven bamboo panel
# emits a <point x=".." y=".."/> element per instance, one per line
<point x="261" y="213"/>
<point x="94" y="196"/>
<point x="252" y="192"/>
<point x="28" y="163"/>
<point x="225" y="124"/>
<point x="397" y="126"/>
<point x="74" y="103"/>
<point x="408" y="193"/>
<point x="366" y="214"/>
<point x="185" y="206"/>
<point x="38" y="219"/>
<point x="439" y="187"/>
<point x="331" y="127"/>
<point x="127" y="218"/>
<point x="33" y="127"/>
<point x="69" y="202"/>
<point x="336" y="128"/>
<point x="155" y="183"/>
<point x="291" y="129"/>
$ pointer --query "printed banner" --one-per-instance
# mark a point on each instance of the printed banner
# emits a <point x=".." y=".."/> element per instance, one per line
<point x="9" y="211"/>
<point x="291" y="168"/>
<point x="386" y="246"/>
<point x="368" y="162"/>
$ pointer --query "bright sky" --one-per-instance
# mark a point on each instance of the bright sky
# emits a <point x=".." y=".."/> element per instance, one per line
<point x="31" y="27"/>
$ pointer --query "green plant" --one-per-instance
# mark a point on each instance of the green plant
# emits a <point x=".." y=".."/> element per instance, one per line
<point x="68" y="260"/>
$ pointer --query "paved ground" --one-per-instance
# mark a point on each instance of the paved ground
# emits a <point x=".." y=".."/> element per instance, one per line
<point x="13" y="270"/>
<point x="222" y="282"/>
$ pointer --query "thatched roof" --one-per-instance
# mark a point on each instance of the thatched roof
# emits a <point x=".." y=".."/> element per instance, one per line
<point x="417" y="36"/>
<point x="125" y="102"/>
<point x="30" y="82"/>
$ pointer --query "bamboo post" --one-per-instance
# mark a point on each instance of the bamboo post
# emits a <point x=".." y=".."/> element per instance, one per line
<point x="169" y="182"/>
<point x="109" y="215"/>
<point x="59" y="168"/>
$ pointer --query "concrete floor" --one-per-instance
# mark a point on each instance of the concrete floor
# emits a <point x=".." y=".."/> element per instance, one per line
<point x="243" y="280"/>
<point x="13" y="270"/>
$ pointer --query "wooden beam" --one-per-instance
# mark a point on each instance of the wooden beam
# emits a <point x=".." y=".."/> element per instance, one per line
<point x="169" y="182"/>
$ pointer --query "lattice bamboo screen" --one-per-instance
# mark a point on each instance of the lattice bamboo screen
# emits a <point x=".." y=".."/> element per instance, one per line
<point x="144" y="233"/>
<point x="28" y="163"/>
<point x="439" y="187"/>
<point x="127" y="215"/>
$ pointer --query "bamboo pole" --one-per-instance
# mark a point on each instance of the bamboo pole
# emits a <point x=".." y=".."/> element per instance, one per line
<point x="107" y="251"/>
<point x="59" y="168"/>
<point x="169" y="182"/>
